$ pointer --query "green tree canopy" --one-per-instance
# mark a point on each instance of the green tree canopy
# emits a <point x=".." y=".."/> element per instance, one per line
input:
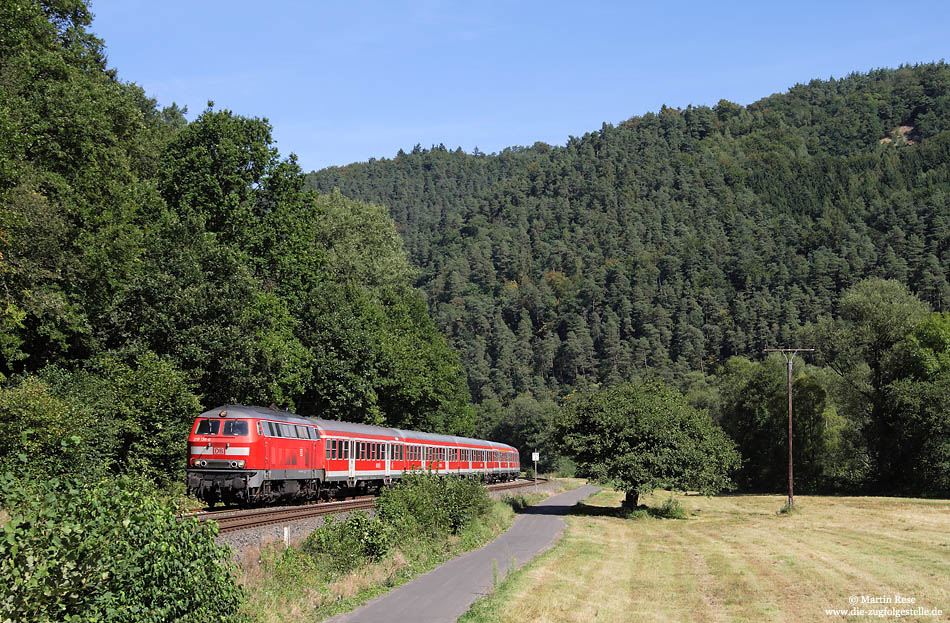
<point x="863" y="346"/>
<point x="638" y="437"/>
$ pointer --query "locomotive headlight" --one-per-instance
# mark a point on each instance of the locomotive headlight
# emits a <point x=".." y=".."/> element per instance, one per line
<point x="240" y="463"/>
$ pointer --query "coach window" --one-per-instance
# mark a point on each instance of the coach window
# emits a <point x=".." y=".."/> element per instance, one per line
<point x="208" y="427"/>
<point x="302" y="432"/>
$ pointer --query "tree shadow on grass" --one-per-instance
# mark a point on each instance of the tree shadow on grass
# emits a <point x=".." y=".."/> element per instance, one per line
<point x="640" y="512"/>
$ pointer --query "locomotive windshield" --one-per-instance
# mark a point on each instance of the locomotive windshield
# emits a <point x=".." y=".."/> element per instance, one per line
<point x="208" y="427"/>
<point x="235" y="427"/>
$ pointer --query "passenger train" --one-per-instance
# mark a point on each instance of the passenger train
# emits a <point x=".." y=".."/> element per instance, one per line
<point x="248" y="455"/>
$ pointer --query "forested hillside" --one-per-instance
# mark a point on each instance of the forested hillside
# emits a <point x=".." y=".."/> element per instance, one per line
<point x="681" y="244"/>
<point x="151" y="267"/>
<point x="675" y="240"/>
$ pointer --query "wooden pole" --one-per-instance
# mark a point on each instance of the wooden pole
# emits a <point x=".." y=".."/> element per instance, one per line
<point x="789" y="354"/>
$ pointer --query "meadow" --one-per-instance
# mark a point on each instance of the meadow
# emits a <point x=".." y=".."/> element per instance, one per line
<point x="737" y="558"/>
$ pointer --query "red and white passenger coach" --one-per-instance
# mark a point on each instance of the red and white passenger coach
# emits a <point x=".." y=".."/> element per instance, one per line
<point x="241" y="454"/>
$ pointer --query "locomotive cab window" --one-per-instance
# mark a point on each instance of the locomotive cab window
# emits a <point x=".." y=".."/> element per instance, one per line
<point x="235" y="427"/>
<point x="208" y="427"/>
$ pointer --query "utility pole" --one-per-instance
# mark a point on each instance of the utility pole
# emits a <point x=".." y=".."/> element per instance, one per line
<point x="789" y="354"/>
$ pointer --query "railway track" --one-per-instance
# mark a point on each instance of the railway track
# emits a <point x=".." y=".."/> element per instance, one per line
<point x="232" y="520"/>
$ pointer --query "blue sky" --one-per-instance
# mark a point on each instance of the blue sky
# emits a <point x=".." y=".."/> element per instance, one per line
<point x="345" y="81"/>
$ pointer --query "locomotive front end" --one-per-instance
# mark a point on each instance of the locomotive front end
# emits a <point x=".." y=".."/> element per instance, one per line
<point x="221" y="458"/>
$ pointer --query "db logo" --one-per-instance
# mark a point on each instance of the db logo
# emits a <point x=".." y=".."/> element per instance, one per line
<point x="219" y="450"/>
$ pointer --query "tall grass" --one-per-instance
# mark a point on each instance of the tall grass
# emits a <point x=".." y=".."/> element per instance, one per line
<point x="420" y="523"/>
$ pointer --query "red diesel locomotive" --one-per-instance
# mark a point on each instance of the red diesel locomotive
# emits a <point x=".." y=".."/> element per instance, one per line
<point x="246" y="455"/>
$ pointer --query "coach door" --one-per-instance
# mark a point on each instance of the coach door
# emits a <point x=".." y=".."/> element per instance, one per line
<point x="388" y="449"/>
<point x="352" y="458"/>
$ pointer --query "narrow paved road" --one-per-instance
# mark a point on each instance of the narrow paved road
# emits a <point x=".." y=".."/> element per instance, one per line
<point x="445" y="593"/>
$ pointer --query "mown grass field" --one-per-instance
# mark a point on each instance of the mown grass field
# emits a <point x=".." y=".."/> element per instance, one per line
<point x="734" y="558"/>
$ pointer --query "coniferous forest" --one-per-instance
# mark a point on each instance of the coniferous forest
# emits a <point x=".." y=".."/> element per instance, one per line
<point x="683" y="243"/>
<point x="152" y="267"/>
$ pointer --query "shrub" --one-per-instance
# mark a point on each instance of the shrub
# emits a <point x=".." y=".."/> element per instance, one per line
<point x="671" y="509"/>
<point x="413" y="505"/>
<point x="107" y="552"/>
<point x="347" y="544"/>
<point x="424" y="504"/>
<point x="463" y="500"/>
<point x="420" y="505"/>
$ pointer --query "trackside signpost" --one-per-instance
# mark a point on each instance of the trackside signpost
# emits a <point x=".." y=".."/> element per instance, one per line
<point x="535" y="456"/>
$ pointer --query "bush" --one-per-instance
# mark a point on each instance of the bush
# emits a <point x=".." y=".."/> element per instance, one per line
<point x="424" y="504"/>
<point x="566" y="468"/>
<point x="420" y="505"/>
<point x="348" y="544"/>
<point x="464" y="499"/>
<point x="107" y="552"/>
<point x="671" y="509"/>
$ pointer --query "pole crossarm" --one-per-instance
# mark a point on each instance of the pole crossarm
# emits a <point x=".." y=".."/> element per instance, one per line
<point x="789" y="350"/>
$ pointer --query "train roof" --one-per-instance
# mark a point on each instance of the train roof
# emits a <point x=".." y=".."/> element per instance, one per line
<point x="243" y="411"/>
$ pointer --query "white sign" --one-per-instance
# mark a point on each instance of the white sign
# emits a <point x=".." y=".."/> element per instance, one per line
<point x="535" y="456"/>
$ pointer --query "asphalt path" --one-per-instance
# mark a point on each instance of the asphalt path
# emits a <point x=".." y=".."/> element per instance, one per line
<point x="445" y="593"/>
